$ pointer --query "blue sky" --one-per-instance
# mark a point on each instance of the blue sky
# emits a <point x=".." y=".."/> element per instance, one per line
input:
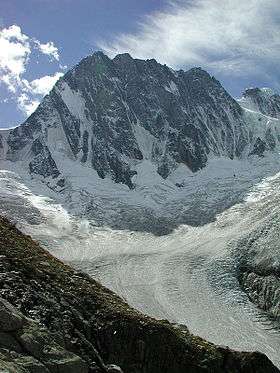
<point x="237" y="41"/>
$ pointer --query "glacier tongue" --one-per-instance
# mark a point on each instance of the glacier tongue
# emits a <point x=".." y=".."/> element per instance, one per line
<point x="187" y="276"/>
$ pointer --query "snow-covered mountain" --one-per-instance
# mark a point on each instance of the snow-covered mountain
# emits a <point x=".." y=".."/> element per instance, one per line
<point x="115" y="115"/>
<point x="160" y="185"/>
<point x="264" y="100"/>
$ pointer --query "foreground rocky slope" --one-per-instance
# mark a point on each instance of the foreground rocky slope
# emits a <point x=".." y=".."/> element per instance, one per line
<point x="27" y="347"/>
<point x="76" y="317"/>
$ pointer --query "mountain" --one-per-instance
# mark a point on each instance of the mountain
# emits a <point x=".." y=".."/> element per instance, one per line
<point x="160" y="185"/>
<point x="55" y="319"/>
<point x="113" y="115"/>
<point x="112" y="126"/>
<point x="263" y="100"/>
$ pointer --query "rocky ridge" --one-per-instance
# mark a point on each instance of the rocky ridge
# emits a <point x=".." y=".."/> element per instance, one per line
<point x="113" y="114"/>
<point x="264" y="100"/>
<point x="263" y="289"/>
<point x="257" y="256"/>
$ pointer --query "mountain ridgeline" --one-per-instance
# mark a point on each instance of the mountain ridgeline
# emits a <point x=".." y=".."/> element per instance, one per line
<point x="111" y="114"/>
<point x="263" y="100"/>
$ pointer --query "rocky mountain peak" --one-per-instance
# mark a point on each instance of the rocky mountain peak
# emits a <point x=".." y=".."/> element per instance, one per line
<point x="264" y="100"/>
<point x="257" y="92"/>
<point x="122" y="57"/>
<point x="111" y="114"/>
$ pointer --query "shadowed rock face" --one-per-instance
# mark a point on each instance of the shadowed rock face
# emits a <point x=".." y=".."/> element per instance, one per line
<point x="83" y="323"/>
<point x="263" y="289"/>
<point x="111" y="114"/>
<point x="264" y="100"/>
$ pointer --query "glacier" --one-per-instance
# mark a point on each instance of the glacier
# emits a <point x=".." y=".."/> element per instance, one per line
<point x="187" y="276"/>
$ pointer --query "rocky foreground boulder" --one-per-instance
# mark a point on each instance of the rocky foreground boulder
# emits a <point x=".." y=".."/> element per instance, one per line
<point x="25" y="346"/>
<point x="55" y="319"/>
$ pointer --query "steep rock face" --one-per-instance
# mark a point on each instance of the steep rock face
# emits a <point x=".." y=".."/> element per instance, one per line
<point x="257" y="258"/>
<point x="85" y="318"/>
<point x="113" y="114"/>
<point x="263" y="100"/>
<point x="263" y="289"/>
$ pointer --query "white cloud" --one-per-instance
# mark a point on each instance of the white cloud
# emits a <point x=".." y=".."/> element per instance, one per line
<point x="63" y="67"/>
<point x="43" y="85"/>
<point x="26" y="104"/>
<point x="14" y="31"/>
<point x="240" y="37"/>
<point x="15" y="54"/>
<point x="49" y="49"/>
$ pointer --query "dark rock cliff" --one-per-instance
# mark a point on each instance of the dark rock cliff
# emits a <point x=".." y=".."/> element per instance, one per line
<point x="258" y="264"/>
<point x="104" y="112"/>
<point x="264" y="100"/>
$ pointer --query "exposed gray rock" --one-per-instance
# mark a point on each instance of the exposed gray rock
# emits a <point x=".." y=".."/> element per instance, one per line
<point x="39" y="344"/>
<point x="10" y="318"/>
<point x="257" y="258"/>
<point x="9" y="342"/>
<point x="42" y="163"/>
<point x="263" y="290"/>
<point x="27" y="347"/>
<point x="30" y="364"/>
<point x="264" y="100"/>
<point x="11" y="362"/>
<point x="104" y="112"/>
<point x="111" y="368"/>
<point x="259" y="148"/>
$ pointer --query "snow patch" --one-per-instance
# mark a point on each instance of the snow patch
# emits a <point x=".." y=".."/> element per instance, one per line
<point x="75" y="103"/>
<point x="145" y="140"/>
<point x="172" y="88"/>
